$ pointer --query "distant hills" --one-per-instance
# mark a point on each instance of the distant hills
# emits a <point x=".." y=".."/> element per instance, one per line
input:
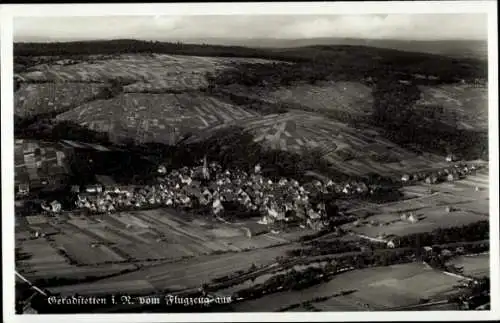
<point x="453" y="48"/>
<point x="477" y="49"/>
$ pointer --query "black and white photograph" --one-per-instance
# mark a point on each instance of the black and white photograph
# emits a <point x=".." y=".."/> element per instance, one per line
<point x="209" y="163"/>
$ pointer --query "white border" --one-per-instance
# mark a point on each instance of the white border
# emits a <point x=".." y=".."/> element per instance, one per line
<point x="8" y="12"/>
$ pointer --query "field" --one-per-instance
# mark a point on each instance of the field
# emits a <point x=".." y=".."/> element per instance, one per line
<point x="36" y="161"/>
<point x="41" y="98"/>
<point x="463" y="105"/>
<point x="377" y="289"/>
<point x="160" y="235"/>
<point x="469" y="206"/>
<point x="163" y="118"/>
<point x="349" y="150"/>
<point x="191" y="273"/>
<point x="474" y="265"/>
<point x="346" y="97"/>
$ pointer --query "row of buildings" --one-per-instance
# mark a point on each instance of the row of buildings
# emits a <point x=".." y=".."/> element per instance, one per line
<point x="452" y="173"/>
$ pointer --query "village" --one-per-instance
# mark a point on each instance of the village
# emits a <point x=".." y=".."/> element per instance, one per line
<point x="209" y="189"/>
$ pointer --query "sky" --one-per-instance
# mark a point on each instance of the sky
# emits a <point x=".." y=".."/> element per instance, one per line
<point x="172" y="28"/>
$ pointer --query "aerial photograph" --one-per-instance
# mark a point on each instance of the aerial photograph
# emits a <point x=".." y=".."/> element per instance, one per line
<point x="251" y="163"/>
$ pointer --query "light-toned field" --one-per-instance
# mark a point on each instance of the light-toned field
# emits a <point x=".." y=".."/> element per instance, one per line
<point x="34" y="99"/>
<point x="474" y="265"/>
<point x="380" y="287"/>
<point x="163" y="118"/>
<point x="468" y="103"/>
<point x="348" y="97"/>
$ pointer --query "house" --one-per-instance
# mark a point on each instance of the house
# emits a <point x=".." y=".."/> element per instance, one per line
<point x="412" y="218"/>
<point x="23" y="189"/>
<point x="96" y="188"/>
<point x="428" y="249"/>
<point x="431" y="179"/>
<point x="162" y="169"/>
<point x="217" y="206"/>
<point x="257" y="169"/>
<point x="391" y="244"/>
<point x="450" y="177"/>
<point x="405" y="178"/>
<point x="446" y="253"/>
<point x="450" y="158"/>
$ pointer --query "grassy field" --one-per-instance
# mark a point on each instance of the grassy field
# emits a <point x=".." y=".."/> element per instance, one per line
<point x="378" y="288"/>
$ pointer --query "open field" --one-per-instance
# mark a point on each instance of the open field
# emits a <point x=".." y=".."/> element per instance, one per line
<point x="40" y="98"/>
<point x="474" y="265"/>
<point x="379" y="288"/>
<point x="463" y="105"/>
<point x="163" y="118"/>
<point x="347" y="97"/>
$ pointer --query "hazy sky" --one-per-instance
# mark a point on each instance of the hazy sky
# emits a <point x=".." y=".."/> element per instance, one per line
<point x="403" y="26"/>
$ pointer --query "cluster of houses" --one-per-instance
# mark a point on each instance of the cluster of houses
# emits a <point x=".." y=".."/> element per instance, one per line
<point x="209" y="186"/>
<point x="212" y="187"/>
<point x="453" y="173"/>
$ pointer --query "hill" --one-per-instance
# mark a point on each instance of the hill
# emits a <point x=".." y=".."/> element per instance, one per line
<point x="360" y="109"/>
